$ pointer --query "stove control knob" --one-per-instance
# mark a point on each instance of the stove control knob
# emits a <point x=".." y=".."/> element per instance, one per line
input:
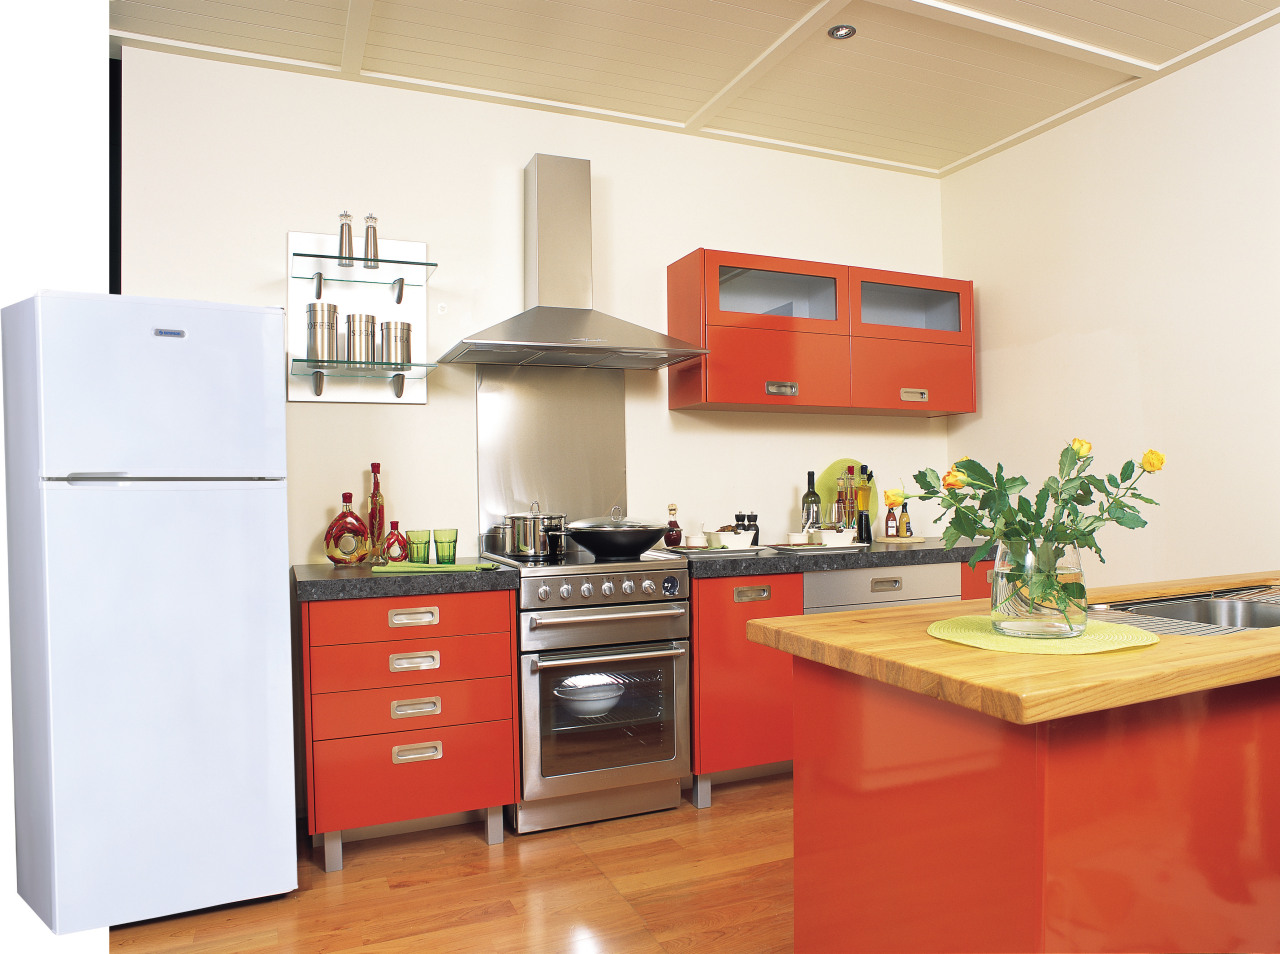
<point x="649" y="587"/>
<point x="544" y="592"/>
<point x="606" y="588"/>
<point x="587" y="590"/>
<point x="566" y="591"/>
<point x="628" y="587"/>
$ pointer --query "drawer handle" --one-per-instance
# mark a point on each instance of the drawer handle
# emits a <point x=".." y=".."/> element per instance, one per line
<point x="782" y="388"/>
<point x="415" y="616"/>
<point x="403" y="662"/>
<point x="750" y="594"/>
<point x="888" y="584"/>
<point x="416" y="753"/>
<point x="914" y="394"/>
<point x="412" y="708"/>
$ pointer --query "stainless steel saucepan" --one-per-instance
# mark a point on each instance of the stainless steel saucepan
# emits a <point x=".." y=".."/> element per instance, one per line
<point x="533" y="535"/>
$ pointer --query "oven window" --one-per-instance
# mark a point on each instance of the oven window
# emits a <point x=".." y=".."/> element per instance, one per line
<point x="595" y="717"/>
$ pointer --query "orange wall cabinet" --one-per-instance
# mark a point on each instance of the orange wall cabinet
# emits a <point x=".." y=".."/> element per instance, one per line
<point x="923" y="826"/>
<point x="786" y="334"/>
<point x="409" y="711"/>
<point x="741" y="690"/>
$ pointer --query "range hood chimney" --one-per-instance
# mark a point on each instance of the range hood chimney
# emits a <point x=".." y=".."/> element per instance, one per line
<point x="559" y="327"/>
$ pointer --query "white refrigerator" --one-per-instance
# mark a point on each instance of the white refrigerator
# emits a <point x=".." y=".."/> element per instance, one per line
<point x="149" y="606"/>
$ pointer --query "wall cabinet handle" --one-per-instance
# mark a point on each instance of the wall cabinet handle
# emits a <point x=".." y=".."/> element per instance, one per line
<point x="418" y="752"/>
<point x="414" y="616"/>
<point x="782" y="388"/>
<point x="414" y="708"/>
<point x="889" y="584"/>
<point x="919" y="395"/>
<point x="751" y="594"/>
<point x="403" y="662"/>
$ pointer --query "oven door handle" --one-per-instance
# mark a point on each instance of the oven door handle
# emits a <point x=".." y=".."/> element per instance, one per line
<point x="538" y="664"/>
<point x="535" y="620"/>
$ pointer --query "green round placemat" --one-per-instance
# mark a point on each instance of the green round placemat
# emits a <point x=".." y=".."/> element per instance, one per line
<point x="1098" y="637"/>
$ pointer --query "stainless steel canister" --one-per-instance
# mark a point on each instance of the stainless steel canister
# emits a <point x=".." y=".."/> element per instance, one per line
<point x="322" y="331"/>
<point x="360" y="332"/>
<point x="396" y="347"/>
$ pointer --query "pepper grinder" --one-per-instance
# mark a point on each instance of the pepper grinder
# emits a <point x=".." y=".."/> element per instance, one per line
<point x="345" y="252"/>
<point x="753" y="528"/>
<point x="370" y="241"/>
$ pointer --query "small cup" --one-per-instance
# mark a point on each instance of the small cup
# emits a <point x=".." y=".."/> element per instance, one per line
<point x="715" y="540"/>
<point x="797" y="538"/>
<point x="446" y="545"/>
<point x="419" y="546"/>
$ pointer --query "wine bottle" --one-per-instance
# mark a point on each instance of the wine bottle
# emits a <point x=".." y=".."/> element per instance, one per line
<point x="810" y="508"/>
<point x="346" y="542"/>
<point x="376" y="511"/>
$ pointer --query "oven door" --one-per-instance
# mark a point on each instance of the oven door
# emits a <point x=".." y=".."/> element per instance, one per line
<point x="600" y="718"/>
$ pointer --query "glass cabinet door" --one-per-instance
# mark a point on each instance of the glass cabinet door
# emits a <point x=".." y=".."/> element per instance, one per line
<point x="911" y="307"/>
<point x="756" y="291"/>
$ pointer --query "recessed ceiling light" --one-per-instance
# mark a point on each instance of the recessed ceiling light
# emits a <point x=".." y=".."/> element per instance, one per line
<point x="841" y="31"/>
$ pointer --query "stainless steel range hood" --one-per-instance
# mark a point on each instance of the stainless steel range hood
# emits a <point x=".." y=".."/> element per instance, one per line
<point x="559" y="327"/>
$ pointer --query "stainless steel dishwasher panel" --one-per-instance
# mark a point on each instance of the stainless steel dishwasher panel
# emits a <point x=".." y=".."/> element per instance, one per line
<point x="834" y="591"/>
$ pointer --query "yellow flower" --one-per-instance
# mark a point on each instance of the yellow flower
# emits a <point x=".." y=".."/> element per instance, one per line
<point x="893" y="498"/>
<point x="1152" y="461"/>
<point x="1081" y="447"/>
<point x="953" y="479"/>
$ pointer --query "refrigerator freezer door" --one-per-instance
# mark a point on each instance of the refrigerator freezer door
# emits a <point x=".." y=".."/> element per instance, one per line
<point x="150" y="387"/>
<point x="171" y="687"/>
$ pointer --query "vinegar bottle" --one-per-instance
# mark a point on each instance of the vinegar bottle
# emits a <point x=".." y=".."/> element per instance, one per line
<point x="376" y="510"/>
<point x="396" y="547"/>
<point x="904" y="522"/>
<point x="674" y="533"/>
<point x="346" y="542"/>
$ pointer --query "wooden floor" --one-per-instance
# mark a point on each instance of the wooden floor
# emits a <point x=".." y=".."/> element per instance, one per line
<point x="716" y="880"/>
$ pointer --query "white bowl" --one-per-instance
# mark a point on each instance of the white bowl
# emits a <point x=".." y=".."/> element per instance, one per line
<point x="586" y="701"/>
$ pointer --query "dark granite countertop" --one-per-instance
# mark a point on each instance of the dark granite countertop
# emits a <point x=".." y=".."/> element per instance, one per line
<point x="323" y="581"/>
<point x="878" y="554"/>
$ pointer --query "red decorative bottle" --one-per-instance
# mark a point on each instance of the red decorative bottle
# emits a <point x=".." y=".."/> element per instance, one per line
<point x="375" y="519"/>
<point x="674" y="533"/>
<point x="396" y="547"/>
<point x="346" y="542"/>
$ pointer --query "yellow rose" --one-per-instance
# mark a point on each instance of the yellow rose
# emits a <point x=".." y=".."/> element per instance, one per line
<point x="1152" y="461"/>
<point x="893" y="498"/>
<point x="1082" y="448"/>
<point x="953" y="479"/>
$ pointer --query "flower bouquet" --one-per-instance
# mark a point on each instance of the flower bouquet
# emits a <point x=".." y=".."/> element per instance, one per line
<point x="1038" y="583"/>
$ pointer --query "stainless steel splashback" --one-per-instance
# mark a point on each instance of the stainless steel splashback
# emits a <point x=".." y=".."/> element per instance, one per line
<point x="554" y="435"/>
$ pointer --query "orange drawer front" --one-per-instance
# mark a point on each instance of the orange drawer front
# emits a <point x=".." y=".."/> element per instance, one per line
<point x="889" y="374"/>
<point x="338" y="715"/>
<point x="364" y="621"/>
<point x="359" y="781"/>
<point x="408" y="662"/>
<point x="751" y="366"/>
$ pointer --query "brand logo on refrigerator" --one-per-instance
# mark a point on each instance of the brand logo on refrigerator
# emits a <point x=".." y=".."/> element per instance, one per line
<point x="170" y="333"/>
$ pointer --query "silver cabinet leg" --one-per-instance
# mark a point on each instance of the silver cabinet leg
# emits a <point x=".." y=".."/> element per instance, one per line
<point x="493" y="825"/>
<point x="701" y="793"/>
<point x="333" y="851"/>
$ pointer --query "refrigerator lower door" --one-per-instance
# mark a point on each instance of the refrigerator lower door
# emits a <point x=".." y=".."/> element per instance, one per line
<point x="171" y="742"/>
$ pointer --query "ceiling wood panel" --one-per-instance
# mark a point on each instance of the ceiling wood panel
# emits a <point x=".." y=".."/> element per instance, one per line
<point x="926" y="85"/>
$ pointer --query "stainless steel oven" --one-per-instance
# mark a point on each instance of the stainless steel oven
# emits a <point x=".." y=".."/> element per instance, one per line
<point x="604" y="689"/>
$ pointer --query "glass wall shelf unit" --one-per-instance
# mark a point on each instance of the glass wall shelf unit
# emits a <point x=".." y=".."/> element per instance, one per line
<point x="318" y="274"/>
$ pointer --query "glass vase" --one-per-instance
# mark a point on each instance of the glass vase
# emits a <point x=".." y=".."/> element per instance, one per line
<point x="1037" y="590"/>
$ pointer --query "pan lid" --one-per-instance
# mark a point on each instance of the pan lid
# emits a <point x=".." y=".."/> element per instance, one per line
<point x="535" y="511"/>
<point x="615" y="521"/>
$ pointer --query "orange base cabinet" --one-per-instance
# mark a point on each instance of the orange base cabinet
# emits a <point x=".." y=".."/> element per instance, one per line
<point x="922" y="826"/>
<point x="975" y="582"/>
<point x="409" y="708"/>
<point x="741" y="690"/>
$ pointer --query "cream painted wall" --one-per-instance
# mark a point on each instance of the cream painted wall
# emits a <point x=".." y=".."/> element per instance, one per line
<point x="1126" y="269"/>
<point x="221" y="161"/>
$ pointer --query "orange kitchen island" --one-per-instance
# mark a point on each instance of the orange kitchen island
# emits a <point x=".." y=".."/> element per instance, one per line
<point x="959" y="800"/>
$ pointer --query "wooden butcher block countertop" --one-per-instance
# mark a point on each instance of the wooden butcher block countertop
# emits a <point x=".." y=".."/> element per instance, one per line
<point x="891" y="645"/>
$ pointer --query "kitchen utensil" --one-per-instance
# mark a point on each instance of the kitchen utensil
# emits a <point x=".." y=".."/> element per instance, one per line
<point x="345" y="251"/>
<point x="322" y="337"/>
<point x="419" y="546"/>
<point x="360" y="329"/>
<point x="533" y="535"/>
<point x="589" y="701"/>
<point x="616" y="538"/>
<point x="370" y="241"/>
<point x="446" y="545"/>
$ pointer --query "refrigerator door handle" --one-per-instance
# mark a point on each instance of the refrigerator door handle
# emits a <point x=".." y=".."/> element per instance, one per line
<point x="83" y="478"/>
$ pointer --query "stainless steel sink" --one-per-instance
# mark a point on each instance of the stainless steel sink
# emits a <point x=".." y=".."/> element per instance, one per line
<point x="1241" y="614"/>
